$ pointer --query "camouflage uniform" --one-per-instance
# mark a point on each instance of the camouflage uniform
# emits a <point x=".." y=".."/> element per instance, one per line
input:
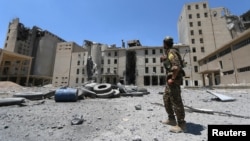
<point x="172" y="96"/>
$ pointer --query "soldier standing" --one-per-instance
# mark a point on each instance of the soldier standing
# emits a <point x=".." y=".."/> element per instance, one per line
<point x="172" y="96"/>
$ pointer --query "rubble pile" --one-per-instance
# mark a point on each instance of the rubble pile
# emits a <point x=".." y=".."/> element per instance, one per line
<point x="66" y="94"/>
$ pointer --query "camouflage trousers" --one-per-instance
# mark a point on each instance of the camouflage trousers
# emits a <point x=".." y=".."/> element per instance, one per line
<point x="173" y="103"/>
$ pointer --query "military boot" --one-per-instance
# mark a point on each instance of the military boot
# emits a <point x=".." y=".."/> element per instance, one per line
<point x="179" y="128"/>
<point x="169" y="122"/>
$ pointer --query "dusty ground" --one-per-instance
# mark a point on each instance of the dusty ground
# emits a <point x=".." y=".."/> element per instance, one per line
<point x="117" y="119"/>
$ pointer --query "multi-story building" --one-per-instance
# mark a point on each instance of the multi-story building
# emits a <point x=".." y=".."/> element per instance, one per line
<point x="228" y="65"/>
<point x="14" y="67"/>
<point x="138" y="65"/>
<point x="70" y="65"/>
<point x="37" y="43"/>
<point x="204" y="29"/>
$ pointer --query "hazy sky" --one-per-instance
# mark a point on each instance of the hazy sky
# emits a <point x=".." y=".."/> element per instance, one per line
<point x="105" y="21"/>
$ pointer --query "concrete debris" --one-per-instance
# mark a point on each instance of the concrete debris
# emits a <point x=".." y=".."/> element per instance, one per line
<point x="116" y="118"/>
<point x="221" y="97"/>
<point x="9" y="84"/>
<point x="207" y="111"/>
<point x="11" y="101"/>
<point x="138" y="107"/>
<point x="77" y="119"/>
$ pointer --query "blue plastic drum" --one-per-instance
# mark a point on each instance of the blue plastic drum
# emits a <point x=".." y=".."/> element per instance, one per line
<point x="66" y="95"/>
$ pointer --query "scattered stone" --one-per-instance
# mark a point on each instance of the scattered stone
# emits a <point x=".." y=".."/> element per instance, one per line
<point x="150" y="109"/>
<point x="137" y="138"/>
<point x="59" y="127"/>
<point x="77" y="120"/>
<point x="138" y="107"/>
<point x="155" y="139"/>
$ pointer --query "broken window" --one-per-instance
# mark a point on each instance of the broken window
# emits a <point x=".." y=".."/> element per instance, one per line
<point x="194" y="49"/>
<point x="191" y="24"/>
<point x="115" y="53"/>
<point x="82" y="71"/>
<point x="193" y="41"/>
<point x="153" y="51"/>
<point x="146" y="60"/>
<point x="198" y="15"/>
<point x="197" y="6"/>
<point x="190" y="16"/>
<point x="195" y="68"/>
<point x="108" y="61"/>
<point x="200" y="32"/>
<point x="162" y="70"/>
<point x="195" y="82"/>
<point x="146" y="69"/>
<point x="154" y="60"/>
<point x="115" y="61"/>
<point x="154" y="80"/>
<point x="76" y="80"/>
<point x="191" y="32"/>
<point x="205" y="14"/>
<point x="204" y="5"/>
<point x="199" y="23"/>
<point x="77" y="71"/>
<point x="146" y="52"/>
<point x="162" y="80"/>
<point x="221" y="66"/>
<point x="189" y="7"/>
<point x="201" y="40"/>
<point x="195" y="58"/>
<point x="146" y="80"/>
<point x="78" y="62"/>
<point x="202" y="49"/>
<point x="154" y="69"/>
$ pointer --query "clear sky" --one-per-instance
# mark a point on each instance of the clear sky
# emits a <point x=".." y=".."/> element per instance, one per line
<point x="105" y="21"/>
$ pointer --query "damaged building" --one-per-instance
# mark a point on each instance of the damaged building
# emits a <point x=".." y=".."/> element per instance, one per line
<point x="206" y="30"/>
<point x="36" y="43"/>
<point x="229" y="64"/>
<point x="135" y="65"/>
<point x="14" y="67"/>
<point x="210" y="39"/>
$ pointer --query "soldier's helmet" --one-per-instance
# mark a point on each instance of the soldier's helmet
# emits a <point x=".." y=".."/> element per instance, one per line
<point x="169" y="41"/>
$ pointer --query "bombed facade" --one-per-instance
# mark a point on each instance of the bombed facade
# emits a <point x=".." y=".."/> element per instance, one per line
<point x="14" y="67"/>
<point x="136" y="65"/>
<point x="203" y="31"/>
<point x="206" y="30"/>
<point x="36" y="43"/>
<point x="229" y="64"/>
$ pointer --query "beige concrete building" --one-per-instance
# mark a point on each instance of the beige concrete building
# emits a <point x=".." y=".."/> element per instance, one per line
<point x="138" y="65"/>
<point x="204" y="29"/>
<point x="70" y="63"/>
<point x="37" y="43"/>
<point x="14" y="67"/>
<point x="229" y="64"/>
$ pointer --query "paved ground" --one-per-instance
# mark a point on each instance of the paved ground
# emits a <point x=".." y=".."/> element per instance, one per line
<point x="117" y="119"/>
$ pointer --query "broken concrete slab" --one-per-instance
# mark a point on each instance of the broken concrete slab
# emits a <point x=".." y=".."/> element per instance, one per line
<point x="86" y="92"/>
<point x="221" y="96"/>
<point x="30" y="95"/>
<point x="11" y="101"/>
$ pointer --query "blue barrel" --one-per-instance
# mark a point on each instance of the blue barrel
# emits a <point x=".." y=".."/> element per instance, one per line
<point x="66" y="95"/>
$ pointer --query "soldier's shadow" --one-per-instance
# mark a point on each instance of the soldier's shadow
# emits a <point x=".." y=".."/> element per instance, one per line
<point x="194" y="129"/>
